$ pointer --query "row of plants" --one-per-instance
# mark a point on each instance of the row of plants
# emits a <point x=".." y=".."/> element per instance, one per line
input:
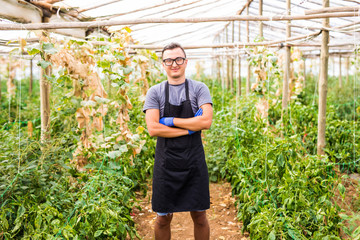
<point x="283" y="190"/>
<point x="45" y="192"/>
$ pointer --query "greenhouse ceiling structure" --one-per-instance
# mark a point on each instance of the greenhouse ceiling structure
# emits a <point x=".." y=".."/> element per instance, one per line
<point x="197" y="24"/>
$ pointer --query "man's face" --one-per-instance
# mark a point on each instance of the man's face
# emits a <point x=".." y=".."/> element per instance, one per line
<point x="175" y="70"/>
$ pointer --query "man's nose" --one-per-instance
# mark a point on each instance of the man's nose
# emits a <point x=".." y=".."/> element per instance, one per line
<point x="174" y="62"/>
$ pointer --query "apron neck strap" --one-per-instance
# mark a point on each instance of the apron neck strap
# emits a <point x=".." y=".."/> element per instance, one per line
<point x="167" y="91"/>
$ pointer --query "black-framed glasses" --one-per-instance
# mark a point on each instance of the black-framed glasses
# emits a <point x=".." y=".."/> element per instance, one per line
<point x="170" y="61"/>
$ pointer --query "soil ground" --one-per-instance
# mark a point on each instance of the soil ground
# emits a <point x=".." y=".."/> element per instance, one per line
<point x="221" y="216"/>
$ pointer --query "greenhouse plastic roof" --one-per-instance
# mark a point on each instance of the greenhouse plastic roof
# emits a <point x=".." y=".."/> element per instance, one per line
<point x="204" y="33"/>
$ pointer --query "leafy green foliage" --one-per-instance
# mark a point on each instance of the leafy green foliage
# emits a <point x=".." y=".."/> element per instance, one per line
<point x="43" y="196"/>
<point x="283" y="190"/>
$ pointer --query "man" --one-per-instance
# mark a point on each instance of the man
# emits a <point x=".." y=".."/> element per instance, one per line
<point x="176" y="111"/>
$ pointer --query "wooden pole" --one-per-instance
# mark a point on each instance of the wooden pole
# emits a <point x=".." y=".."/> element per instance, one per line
<point x="92" y="24"/>
<point x="347" y="69"/>
<point x="9" y="96"/>
<point x="239" y="66"/>
<point x="340" y="73"/>
<point x="136" y="10"/>
<point x="304" y="84"/>
<point x="261" y="33"/>
<point x="224" y="75"/>
<point x="45" y="99"/>
<point x="232" y="59"/>
<point x="227" y="62"/>
<point x="277" y="43"/>
<point x="285" y="96"/>
<point x="324" y="57"/>
<point x="97" y="6"/>
<point x="237" y="13"/>
<point x="31" y="78"/>
<point x="218" y="69"/>
<point x="248" y="64"/>
<point x="333" y="9"/>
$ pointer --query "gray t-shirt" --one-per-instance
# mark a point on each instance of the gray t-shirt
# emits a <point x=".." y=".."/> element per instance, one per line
<point x="199" y="95"/>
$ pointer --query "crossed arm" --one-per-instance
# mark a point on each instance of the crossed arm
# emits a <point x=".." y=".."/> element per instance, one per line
<point x="198" y="123"/>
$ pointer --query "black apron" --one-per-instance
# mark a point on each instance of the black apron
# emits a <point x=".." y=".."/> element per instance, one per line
<point x="181" y="180"/>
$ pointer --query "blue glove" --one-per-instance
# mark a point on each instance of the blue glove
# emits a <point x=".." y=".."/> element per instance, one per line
<point x="167" y="121"/>
<point x="198" y="113"/>
<point x="191" y="132"/>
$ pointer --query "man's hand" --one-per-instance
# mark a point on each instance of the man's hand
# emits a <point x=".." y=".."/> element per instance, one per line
<point x="167" y="121"/>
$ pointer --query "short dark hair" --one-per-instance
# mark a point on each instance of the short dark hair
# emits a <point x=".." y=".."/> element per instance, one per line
<point x="171" y="46"/>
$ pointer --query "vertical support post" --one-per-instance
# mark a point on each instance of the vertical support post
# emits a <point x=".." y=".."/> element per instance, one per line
<point x="323" y="83"/>
<point x="232" y="58"/>
<point x="261" y="34"/>
<point x="304" y="84"/>
<point x="224" y="76"/>
<point x="340" y="73"/>
<point x="45" y="99"/>
<point x="218" y="68"/>
<point x="227" y="62"/>
<point x="347" y="69"/>
<point x="248" y="64"/>
<point x="239" y="66"/>
<point x="285" y="96"/>
<point x="31" y="78"/>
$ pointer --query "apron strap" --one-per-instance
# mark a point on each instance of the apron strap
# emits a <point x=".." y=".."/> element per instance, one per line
<point x="187" y="90"/>
<point x="167" y="91"/>
<point x="167" y="105"/>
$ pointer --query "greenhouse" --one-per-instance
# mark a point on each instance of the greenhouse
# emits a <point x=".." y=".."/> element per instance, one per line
<point x="80" y="152"/>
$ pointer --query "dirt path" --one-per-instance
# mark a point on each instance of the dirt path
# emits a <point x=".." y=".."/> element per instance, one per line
<point x="221" y="215"/>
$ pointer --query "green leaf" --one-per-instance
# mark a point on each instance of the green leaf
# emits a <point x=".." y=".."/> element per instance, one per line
<point x="17" y="226"/>
<point x="38" y="221"/>
<point x="101" y="100"/>
<point x="98" y="233"/>
<point x="43" y="64"/>
<point x="114" y="154"/>
<point x="49" y="48"/>
<point x="295" y="234"/>
<point x="356" y="233"/>
<point x="344" y="216"/>
<point x="341" y="189"/>
<point x="33" y="51"/>
<point x="4" y="222"/>
<point x="272" y="235"/>
<point x="104" y="64"/>
<point x="20" y="212"/>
